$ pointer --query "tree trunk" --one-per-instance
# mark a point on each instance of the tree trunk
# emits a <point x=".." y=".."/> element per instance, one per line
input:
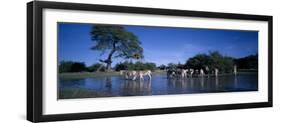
<point x="108" y="66"/>
<point x="108" y="61"/>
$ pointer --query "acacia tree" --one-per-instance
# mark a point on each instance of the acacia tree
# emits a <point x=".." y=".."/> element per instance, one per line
<point x="117" y="42"/>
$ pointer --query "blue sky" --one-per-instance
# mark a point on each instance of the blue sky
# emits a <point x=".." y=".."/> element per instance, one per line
<point x="161" y="45"/>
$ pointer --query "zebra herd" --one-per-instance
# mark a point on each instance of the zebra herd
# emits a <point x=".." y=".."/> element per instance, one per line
<point x="184" y="73"/>
<point x="173" y="73"/>
<point x="133" y="74"/>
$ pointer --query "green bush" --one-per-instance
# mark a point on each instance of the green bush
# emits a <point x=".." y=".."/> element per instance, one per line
<point x="70" y="66"/>
<point x="162" y="67"/>
<point x="135" y="66"/>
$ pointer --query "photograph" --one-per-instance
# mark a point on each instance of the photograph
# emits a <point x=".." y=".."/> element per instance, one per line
<point x="90" y="61"/>
<point x="104" y="60"/>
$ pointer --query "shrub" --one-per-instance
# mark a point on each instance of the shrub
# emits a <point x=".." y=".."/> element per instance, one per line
<point x="70" y="66"/>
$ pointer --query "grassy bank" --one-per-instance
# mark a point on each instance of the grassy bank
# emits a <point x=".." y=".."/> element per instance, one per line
<point x="87" y="75"/>
<point x="72" y="93"/>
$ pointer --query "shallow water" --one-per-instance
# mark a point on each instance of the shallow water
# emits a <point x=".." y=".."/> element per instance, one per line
<point x="160" y="85"/>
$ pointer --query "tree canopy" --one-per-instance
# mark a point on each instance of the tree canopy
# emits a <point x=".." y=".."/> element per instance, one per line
<point x="117" y="42"/>
<point x="248" y="62"/>
<point x="212" y="60"/>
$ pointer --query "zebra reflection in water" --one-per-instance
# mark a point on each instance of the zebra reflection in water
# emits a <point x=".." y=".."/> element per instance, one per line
<point x="136" y="88"/>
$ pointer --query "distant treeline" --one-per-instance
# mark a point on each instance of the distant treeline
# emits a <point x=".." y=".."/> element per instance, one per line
<point x="211" y="60"/>
<point x="249" y="62"/>
<point x="70" y="66"/>
<point x="135" y="66"/>
<point x="214" y="60"/>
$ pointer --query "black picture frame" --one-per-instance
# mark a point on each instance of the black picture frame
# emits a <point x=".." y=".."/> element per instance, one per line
<point x="35" y="69"/>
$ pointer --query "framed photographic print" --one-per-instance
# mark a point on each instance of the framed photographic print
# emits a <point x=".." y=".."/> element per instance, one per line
<point x="95" y="61"/>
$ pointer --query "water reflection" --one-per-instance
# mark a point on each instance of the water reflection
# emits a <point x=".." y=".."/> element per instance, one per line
<point x="108" y="84"/>
<point x="217" y="82"/>
<point x="202" y="82"/>
<point x="235" y="81"/>
<point x="137" y="88"/>
<point x="160" y="85"/>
